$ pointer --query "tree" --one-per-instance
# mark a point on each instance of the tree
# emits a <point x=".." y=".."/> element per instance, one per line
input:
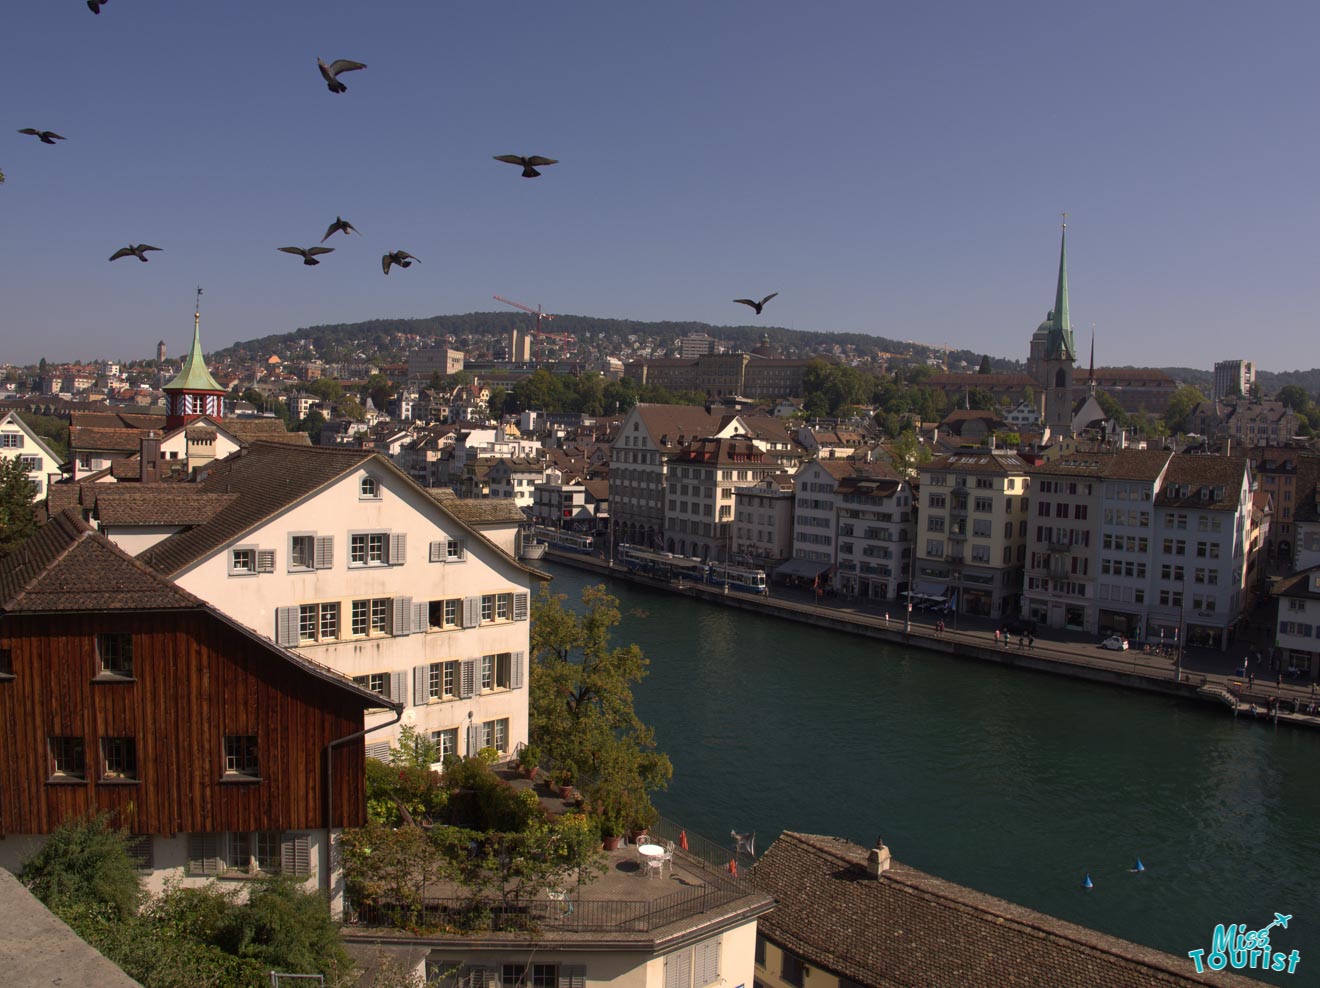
<point x="17" y="515"/>
<point x="1295" y="397"/>
<point x="85" y="868"/>
<point x="379" y="389"/>
<point x="1113" y="410"/>
<point x="907" y="453"/>
<point x="1180" y="406"/>
<point x="312" y="425"/>
<point x="284" y="928"/>
<point x="985" y="367"/>
<point x="327" y="389"/>
<point x="981" y="400"/>
<point x="581" y="705"/>
<point x="499" y="397"/>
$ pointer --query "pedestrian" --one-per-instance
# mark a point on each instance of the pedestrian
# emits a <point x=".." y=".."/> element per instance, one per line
<point x="1022" y="642"/>
<point x="1278" y="680"/>
<point x="1251" y="680"/>
<point x="1031" y="642"/>
<point x="886" y="617"/>
<point x="996" y="636"/>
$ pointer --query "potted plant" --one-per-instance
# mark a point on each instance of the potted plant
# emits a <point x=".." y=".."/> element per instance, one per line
<point x="610" y="831"/>
<point x="529" y="759"/>
<point x="564" y="780"/>
<point x="643" y="819"/>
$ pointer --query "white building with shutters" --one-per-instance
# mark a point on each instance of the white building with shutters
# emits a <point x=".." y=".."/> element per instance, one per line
<point x="339" y="554"/>
<point x="18" y="441"/>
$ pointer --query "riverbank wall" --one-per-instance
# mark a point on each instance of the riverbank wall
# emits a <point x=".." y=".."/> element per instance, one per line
<point x="1129" y="670"/>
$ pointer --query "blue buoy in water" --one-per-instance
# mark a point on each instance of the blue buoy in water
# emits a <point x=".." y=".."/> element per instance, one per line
<point x="1138" y="866"/>
<point x="1087" y="883"/>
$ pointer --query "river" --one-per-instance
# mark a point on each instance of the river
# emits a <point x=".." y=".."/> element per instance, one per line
<point x="1010" y="782"/>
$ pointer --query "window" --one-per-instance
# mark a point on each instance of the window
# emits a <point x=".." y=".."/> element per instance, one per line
<point x="495" y="734"/>
<point x="241" y="755"/>
<point x="453" y="550"/>
<point x="983" y="504"/>
<point x="119" y="759"/>
<point x="446" y="742"/>
<point x="377" y="682"/>
<point x="11" y="440"/>
<point x="318" y="622"/>
<point x="934" y="547"/>
<point x="502" y="602"/>
<point x="249" y="854"/>
<point x="115" y="653"/>
<point x="370" y="617"/>
<point x="760" y="951"/>
<point x="368" y="488"/>
<point x="368" y="549"/>
<point x="68" y="759"/>
<point x="487" y="608"/>
<point x="243" y="562"/>
<point x="496" y="671"/>
<point x="790" y="969"/>
<point x="442" y="614"/>
<point x="302" y="552"/>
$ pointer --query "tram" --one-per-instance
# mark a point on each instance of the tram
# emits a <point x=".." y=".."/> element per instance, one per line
<point x="565" y="541"/>
<point x="743" y="578"/>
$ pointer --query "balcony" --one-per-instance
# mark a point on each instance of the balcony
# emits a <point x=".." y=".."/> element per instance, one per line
<point x="958" y="534"/>
<point x="956" y="560"/>
<point x="958" y="507"/>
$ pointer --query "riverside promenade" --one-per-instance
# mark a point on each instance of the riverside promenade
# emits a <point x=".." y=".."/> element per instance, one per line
<point x="1207" y="676"/>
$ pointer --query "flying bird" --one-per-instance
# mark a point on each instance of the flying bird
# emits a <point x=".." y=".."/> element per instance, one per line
<point x="758" y="306"/>
<point x="133" y="250"/>
<point x="527" y="163"/>
<point x="308" y="254"/>
<point x="330" y="73"/>
<point x="45" y="136"/>
<point x="340" y="225"/>
<point x="400" y="257"/>
<point x="95" y="5"/>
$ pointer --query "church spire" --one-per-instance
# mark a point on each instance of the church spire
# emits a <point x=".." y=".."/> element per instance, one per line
<point x="1060" y="344"/>
<point x="194" y="392"/>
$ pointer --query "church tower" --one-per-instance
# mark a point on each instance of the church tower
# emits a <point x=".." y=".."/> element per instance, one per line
<point x="194" y="392"/>
<point x="1057" y="353"/>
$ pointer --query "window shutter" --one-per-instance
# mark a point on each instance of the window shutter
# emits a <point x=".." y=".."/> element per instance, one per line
<point x="286" y="625"/>
<point x="516" y="670"/>
<point x="379" y="750"/>
<point x="142" y="850"/>
<point x="437" y="552"/>
<point x="707" y="963"/>
<point x="421" y="675"/>
<point x="420" y="616"/>
<point x="462" y="548"/>
<point x="399" y="686"/>
<point x="572" y="976"/>
<point x="204" y="854"/>
<point x="473" y="739"/>
<point x="471" y="612"/>
<point x="520" y="601"/>
<point x="398" y="548"/>
<point x="678" y="969"/>
<point x="325" y="552"/>
<point x="296" y="855"/>
<point x="403" y="616"/>
<point x="265" y="560"/>
<point x="467" y="686"/>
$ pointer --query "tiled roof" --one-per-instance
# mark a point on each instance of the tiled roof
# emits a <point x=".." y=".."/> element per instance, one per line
<point x="868" y="487"/>
<point x="1128" y="464"/>
<point x="67" y="566"/>
<point x="1297" y="585"/>
<point x="264" y="430"/>
<point x="722" y="452"/>
<point x="841" y="467"/>
<point x="988" y="381"/>
<point x="121" y="440"/>
<point x="116" y="420"/>
<point x="1204" y="482"/>
<point x="478" y="511"/>
<point x="156" y="504"/>
<point x="908" y="928"/>
<point x="1133" y="375"/>
<point x="976" y="462"/>
<point x="675" y="424"/>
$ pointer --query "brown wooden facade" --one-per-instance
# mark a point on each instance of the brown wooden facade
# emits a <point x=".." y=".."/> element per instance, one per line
<point x="195" y="679"/>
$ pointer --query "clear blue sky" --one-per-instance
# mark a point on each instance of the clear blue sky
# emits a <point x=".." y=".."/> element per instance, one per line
<point x="891" y="169"/>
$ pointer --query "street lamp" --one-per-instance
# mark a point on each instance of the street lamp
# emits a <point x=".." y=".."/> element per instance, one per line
<point x="912" y="574"/>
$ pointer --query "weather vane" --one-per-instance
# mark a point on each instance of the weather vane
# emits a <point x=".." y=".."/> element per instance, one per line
<point x="1065" y="220"/>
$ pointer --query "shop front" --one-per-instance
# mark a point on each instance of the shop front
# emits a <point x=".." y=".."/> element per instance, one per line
<point x="1120" y="623"/>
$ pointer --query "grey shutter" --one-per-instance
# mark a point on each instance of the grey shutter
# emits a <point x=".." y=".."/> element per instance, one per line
<point x="399" y="686"/>
<point x="379" y="750"/>
<point x="572" y="976"/>
<point x="462" y="548"/>
<point x="204" y="854"/>
<point x="265" y="560"/>
<point x="473" y="739"/>
<point x="421" y="684"/>
<point x="678" y="969"/>
<point x="706" y="969"/>
<point x="520" y="601"/>
<point x="142" y="850"/>
<point x="437" y="552"/>
<point x="467" y="686"/>
<point x="398" y="548"/>
<point x="516" y="670"/>
<point x="286" y="625"/>
<point x="296" y="855"/>
<point x="325" y="552"/>
<point x="471" y="612"/>
<point x="402" y="616"/>
<point x="421" y="617"/>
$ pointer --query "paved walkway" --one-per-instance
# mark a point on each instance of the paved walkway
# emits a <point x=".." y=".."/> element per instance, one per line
<point x="1240" y="671"/>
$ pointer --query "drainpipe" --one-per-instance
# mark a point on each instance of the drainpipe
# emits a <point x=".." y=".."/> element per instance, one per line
<point x="330" y="778"/>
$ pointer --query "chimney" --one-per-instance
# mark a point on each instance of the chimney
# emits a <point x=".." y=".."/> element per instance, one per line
<point x="877" y="862"/>
<point x="149" y="458"/>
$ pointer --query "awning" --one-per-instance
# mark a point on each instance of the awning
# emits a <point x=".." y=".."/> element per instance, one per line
<point x="806" y="568"/>
<point x="931" y="588"/>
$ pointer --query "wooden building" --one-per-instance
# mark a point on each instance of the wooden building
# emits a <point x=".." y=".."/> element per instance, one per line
<point x="225" y="754"/>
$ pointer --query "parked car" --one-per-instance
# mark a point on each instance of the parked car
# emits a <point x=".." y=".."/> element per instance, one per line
<point x="1115" y="643"/>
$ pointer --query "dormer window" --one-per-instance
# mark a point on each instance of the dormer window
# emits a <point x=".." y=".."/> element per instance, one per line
<point x="368" y="488"/>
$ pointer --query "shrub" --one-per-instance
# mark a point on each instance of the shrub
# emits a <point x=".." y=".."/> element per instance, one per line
<point x="85" y="866"/>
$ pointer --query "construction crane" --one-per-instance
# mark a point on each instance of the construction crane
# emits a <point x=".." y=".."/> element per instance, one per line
<point x="537" y="332"/>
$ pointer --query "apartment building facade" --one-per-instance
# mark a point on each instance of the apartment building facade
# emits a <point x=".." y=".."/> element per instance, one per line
<point x="18" y="441"/>
<point x="340" y="556"/>
<point x="972" y="537"/>
<point x="699" y="497"/>
<point x="875" y="530"/>
<point x="763" y="520"/>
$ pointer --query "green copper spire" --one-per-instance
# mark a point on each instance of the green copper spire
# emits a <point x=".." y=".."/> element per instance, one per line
<point x="1060" y="342"/>
<point x="195" y="376"/>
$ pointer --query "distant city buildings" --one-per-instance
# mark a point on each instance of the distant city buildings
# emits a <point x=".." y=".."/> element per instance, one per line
<point x="1234" y="378"/>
